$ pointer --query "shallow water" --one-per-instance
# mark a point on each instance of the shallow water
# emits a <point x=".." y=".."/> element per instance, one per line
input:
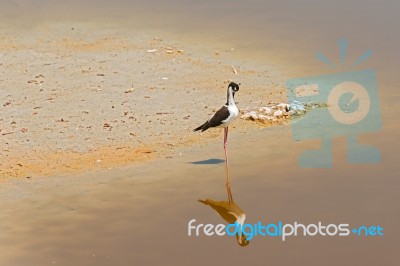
<point x="139" y="214"/>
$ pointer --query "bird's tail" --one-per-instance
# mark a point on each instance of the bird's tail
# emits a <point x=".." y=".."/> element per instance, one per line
<point x="202" y="127"/>
<point x="204" y="201"/>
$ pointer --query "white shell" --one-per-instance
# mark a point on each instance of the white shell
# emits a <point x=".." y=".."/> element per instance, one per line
<point x="266" y="110"/>
<point x="278" y="113"/>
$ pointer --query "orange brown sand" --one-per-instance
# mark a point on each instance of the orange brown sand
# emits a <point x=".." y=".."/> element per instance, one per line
<point x="74" y="98"/>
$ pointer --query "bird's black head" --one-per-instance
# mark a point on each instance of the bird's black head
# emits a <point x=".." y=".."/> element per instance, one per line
<point x="242" y="240"/>
<point x="234" y="86"/>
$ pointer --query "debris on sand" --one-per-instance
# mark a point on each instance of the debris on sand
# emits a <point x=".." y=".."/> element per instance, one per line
<point x="107" y="126"/>
<point x="279" y="113"/>
<point x="172" y="50"/>
<point x="234" y="70"/>
<point x="129" y="90"/>
<point x="39" y="80"/>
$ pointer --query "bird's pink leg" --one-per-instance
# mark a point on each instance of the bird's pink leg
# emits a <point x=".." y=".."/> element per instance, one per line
<point x="228" y="185"/>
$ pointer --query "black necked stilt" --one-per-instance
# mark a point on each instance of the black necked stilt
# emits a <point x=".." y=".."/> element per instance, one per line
<point x="230" y="212"/>
<point x="223" y="118"/>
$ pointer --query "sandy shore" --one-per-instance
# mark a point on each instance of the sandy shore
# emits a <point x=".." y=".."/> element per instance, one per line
<point x="75" y="98"/>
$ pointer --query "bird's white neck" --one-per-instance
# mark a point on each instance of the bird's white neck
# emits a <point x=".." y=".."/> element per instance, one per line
<point x="240" y="219"/>
<point x="230" y="99"/>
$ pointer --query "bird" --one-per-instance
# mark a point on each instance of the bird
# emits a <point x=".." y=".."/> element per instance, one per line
<point x="230" y="212"/>
<point x="222" y="119"/>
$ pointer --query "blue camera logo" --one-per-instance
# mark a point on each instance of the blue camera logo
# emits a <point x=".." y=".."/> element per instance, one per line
<point x="352" y="108"/>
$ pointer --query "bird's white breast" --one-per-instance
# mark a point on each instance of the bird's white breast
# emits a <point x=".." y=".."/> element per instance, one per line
<point x="233" y="114"/>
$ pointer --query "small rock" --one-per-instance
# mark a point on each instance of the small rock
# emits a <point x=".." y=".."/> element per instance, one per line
<point x="278" y="113"/>
<point x="265" y="110"/>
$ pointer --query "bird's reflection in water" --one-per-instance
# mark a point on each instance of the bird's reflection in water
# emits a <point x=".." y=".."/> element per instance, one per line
<point x="230" y="212"/>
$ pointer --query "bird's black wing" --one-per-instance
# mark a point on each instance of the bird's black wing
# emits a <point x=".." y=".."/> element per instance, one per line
<point x="223" y="208"/>
<point x="221" y="115"/>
